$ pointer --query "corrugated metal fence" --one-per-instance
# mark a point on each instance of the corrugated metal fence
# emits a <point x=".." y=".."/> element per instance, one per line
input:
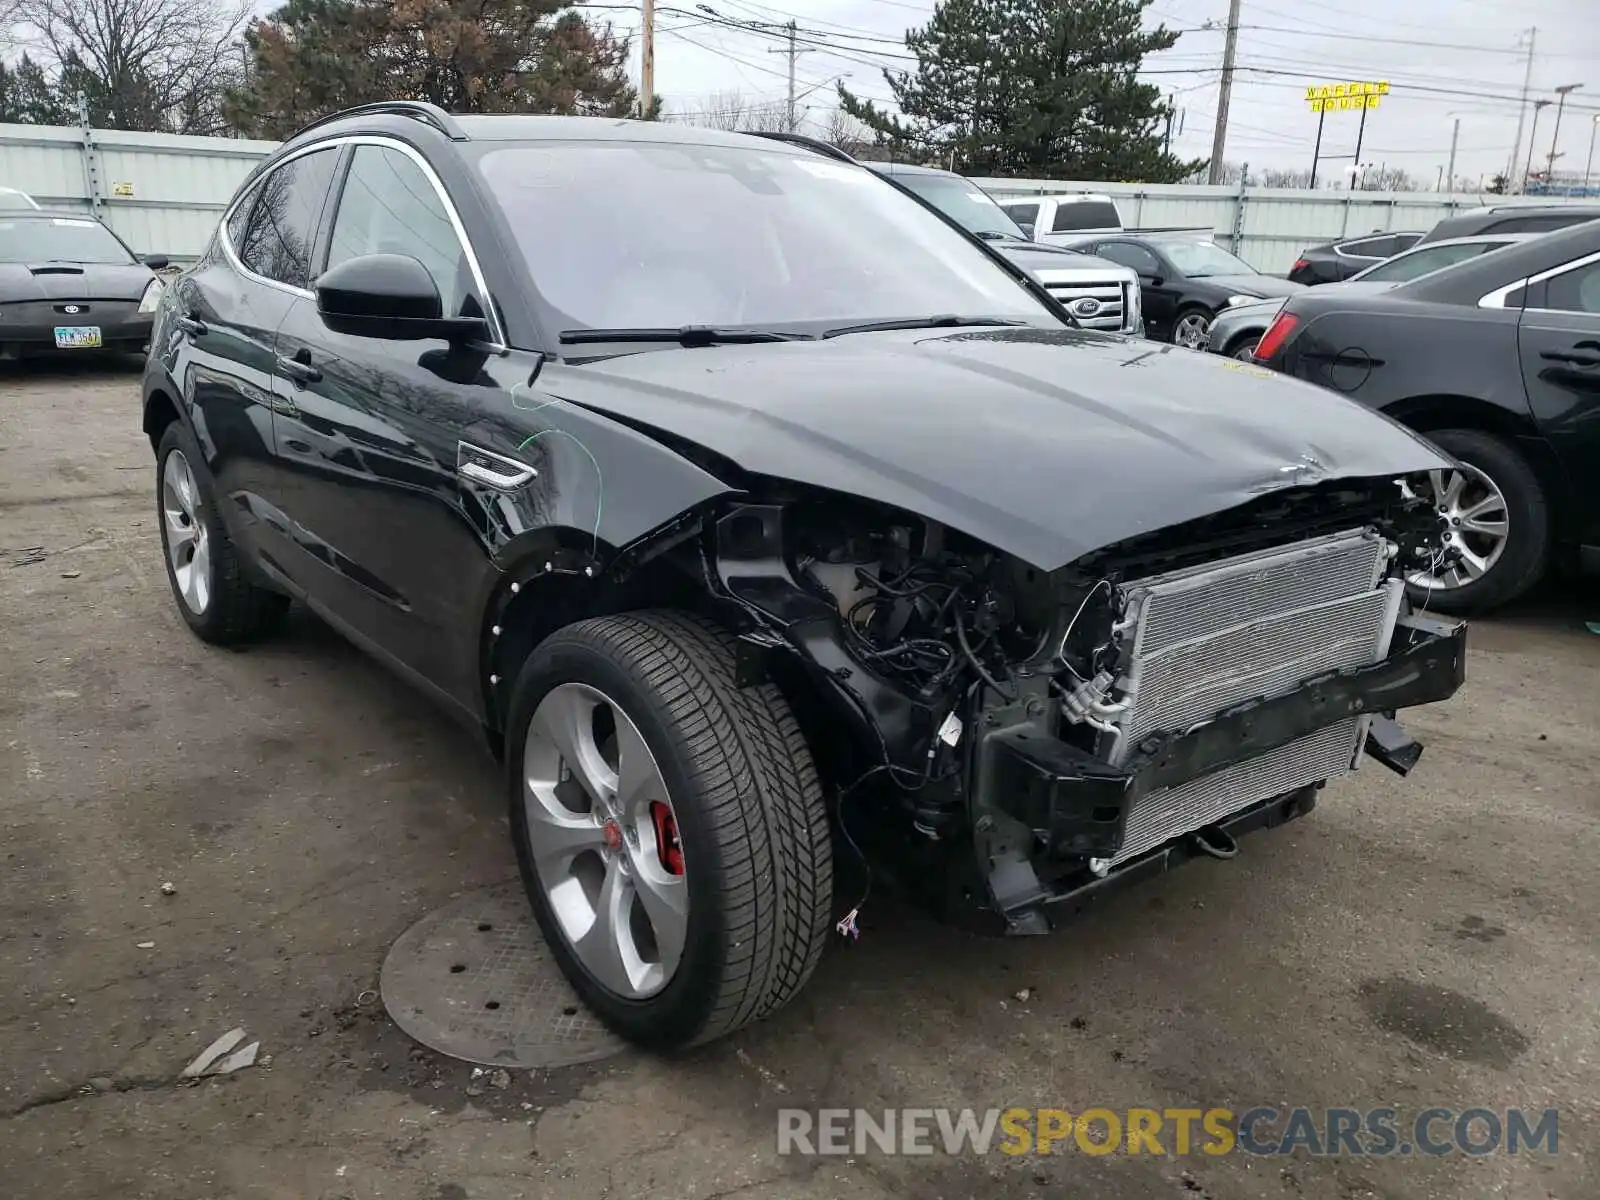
<point x="1267" y="227"/>
<point x="163" y="193"/>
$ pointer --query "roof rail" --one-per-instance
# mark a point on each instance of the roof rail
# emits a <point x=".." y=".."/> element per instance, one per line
<point x="419" y="110"/>
<point x="809" y="143"/>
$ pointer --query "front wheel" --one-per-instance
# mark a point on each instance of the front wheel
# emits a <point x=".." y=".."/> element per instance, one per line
<point x="1192" y="329"/>
<point x="669" y="825"/>
<point x="1496" y="539"/>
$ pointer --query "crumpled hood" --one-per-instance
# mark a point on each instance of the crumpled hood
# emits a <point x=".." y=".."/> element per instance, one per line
<point x="72" y="281"/>
<point x="1045" y="443"/>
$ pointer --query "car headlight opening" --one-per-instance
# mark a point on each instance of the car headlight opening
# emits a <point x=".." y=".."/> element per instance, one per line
<point x="152" y="296"/>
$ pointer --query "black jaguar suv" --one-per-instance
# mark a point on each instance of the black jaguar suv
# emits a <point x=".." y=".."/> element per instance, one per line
<point x="751" y="508"/>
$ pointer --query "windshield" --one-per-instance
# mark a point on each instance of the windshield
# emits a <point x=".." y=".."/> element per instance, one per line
<point x="59" y="239"/>
<point x="965" y="203"/>
<point x="1199" y="259"/>
<point x="621" y="235"/>
<point x="1419" y="262"/>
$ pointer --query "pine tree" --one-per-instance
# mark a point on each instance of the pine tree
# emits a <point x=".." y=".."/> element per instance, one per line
<point x="314" y="57"/>
<point x="1031" y="87"/>
<point x="29" y="97"/>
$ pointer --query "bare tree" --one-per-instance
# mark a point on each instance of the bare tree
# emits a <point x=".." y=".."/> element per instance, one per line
<point x="157" y="65"/>
<point x="732" y="111"/>
<point x="1387" y="179"/>
<point x="840" y="129"/>
<point x="1279" y="177"/>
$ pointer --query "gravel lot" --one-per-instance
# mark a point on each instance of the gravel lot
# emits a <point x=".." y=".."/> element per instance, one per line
<point x="1427" y="941"/>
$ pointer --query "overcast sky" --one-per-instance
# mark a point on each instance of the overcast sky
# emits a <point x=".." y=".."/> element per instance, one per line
<point x="1444" y="59"/>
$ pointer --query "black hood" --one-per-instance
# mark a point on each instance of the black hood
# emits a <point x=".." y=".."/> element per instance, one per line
<point x="1035" y="256"/>
<point x="1252" y="285"/>
<point x="1045" y="443"/>
<point x="73" y="281"/>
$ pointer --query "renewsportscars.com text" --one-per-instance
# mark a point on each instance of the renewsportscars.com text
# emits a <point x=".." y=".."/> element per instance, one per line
<point x="1374" y="1132"/>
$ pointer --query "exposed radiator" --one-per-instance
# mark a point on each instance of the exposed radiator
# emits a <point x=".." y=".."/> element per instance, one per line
<point x="1207" y="638"/>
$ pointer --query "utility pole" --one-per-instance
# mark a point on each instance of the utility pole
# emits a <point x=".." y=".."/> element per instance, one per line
<point x="647" y="59"/>
<point x="1522" y="114"/>
<point x="794" y="51"/>
<point x="1455" y="134"/>
<point x="1219" y="139"/>
<point x="1528" y="167"/>
<point x="1166" y="143"/>
<point x="1589" y="165"/>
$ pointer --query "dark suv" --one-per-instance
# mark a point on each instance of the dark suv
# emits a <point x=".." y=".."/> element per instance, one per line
<point x="1513" y="218"/>
<point x="755" y="504"/>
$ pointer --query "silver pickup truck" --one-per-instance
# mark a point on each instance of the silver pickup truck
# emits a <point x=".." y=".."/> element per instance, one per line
<point x="1098" y="293"/>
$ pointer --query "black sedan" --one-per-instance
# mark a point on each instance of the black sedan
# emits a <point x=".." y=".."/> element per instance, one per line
<point x="1335" y="261"/>
<point x="1186" y="281"/>
<point x="67" y="283"/>
<point x="1497" y="361"/>
<point x="1236" y="331"/>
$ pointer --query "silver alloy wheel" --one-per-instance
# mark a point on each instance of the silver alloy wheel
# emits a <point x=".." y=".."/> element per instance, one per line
<point x="604" y="840"/>
<point x="188" y="547"/>
<point x="1192" y="331"/>
<point x="1246" y="352"/>
<point x="1477" y="527"/>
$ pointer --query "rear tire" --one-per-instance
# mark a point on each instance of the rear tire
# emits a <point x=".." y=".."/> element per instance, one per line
<point x="1526" y="551"/>
<point x="756" y="853"/>
<point x="215" y="596"/>
<point x="1191" y="329"/>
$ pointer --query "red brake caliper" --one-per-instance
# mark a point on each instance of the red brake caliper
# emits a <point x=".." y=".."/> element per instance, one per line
<point x="668" y="847"/>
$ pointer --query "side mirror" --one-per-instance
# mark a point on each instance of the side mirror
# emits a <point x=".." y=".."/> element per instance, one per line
<point x="157" y="262"/>
<point x="1151" y="280"/>
<point x="389" y="296"/>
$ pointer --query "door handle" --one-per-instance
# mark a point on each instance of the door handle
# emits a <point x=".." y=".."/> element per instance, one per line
<point x="1577" y="360"/>
<point x="193" y="326"/>
<point x="299" y="368"/>
<point x="490" y="469"/>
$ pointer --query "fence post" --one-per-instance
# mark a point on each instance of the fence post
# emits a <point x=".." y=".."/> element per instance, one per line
<point x="1237" y="236"/>
<point x="91" y="165"/>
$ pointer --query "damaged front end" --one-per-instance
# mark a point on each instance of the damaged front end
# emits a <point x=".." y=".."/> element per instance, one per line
<point x="1011" y="742"/>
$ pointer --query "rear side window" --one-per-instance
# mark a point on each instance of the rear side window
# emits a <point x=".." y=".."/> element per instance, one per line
<point x="282" y="228"/>
<point x="1539" y="222"/>
<point x="1576" y="291"/>
<point x="1085" y="214"/>
<point x="1374" y="247"/>
<point x="1429" y="258"/>
<point x="241" y="217"/>
<point x="1026" y="215"/>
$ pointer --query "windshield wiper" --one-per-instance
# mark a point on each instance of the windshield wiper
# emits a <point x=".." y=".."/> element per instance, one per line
<point x="943" y="321"/>
<point x="684" y="335"/>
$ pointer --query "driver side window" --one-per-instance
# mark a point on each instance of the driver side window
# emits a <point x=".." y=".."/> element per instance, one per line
<point x="389" y="206"/>
<point x="1141" y="260"/>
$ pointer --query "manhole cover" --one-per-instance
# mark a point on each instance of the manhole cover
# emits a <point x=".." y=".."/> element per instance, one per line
<point x="474" y="980"/>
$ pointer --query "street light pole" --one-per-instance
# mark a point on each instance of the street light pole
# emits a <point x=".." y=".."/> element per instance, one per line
<point x="1563" y="91"/>
<point x="1527" y="170"/>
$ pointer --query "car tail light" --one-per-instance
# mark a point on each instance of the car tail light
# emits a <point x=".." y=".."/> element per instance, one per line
<point x="1279" y="332"/>
<point x="1300" y="264"/>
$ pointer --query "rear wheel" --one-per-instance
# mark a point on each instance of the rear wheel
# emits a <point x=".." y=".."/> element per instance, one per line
<point x="669" y="825"/>
<point x="214" y="595"/>
<point x="1497" y="533"/>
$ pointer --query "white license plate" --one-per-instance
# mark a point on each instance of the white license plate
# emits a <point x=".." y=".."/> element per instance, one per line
<point x="78" y="337"/>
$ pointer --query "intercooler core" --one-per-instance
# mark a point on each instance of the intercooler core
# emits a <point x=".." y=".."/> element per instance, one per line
<point x="1207" y="638"/>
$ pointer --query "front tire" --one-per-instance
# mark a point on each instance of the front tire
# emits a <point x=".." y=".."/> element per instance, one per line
<point x="669" y="826"/>
<point x="215" y="596"/>
<point x="1192" y="329"/>
<point x="1498" y="534"/>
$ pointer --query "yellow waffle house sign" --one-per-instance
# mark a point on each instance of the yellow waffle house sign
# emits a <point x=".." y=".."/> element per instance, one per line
<point x="1339" y="97"/>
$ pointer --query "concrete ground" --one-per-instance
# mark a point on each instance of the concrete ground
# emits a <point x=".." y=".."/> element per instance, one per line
<point x="1414" y="942"/>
